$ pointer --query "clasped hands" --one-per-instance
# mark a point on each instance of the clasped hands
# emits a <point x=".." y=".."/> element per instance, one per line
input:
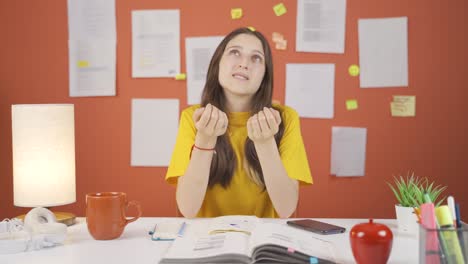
<point x="212" y="122"/>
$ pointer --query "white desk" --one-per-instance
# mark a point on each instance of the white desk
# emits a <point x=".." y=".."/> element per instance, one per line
<point x="135" y="245"/>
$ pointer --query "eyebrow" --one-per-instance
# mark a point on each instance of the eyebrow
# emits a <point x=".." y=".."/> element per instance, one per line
<point x="240" y="47"/>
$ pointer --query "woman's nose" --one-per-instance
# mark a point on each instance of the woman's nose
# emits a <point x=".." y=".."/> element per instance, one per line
<point x="242" y="66"/>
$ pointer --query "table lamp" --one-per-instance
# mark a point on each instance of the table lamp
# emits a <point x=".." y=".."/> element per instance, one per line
<point x="43" y="139"/>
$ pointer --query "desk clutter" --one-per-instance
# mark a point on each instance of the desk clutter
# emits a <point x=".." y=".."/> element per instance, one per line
<point x="245" y="239"/>
<point x="39" y="230"/>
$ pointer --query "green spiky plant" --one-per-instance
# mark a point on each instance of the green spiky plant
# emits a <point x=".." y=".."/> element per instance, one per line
<point x="410" y="191"/>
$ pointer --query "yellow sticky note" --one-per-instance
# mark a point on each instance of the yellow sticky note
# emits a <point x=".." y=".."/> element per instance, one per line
<point x="281" y="45"/>
<point x="180" y="76"/>
<point x="403" y="105"/>
<point x="83" y="64"/>
<point x="351" y="104"/>
<point x="279" y="9"/>
<point x="251" y="28"/>
<point x="353" y="70"/>
<point x="236" y="13"/>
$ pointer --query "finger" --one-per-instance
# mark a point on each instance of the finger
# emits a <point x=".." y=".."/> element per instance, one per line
<point x="277" y="115"/>
<point x="270" y="117"/>
<point x="256" y="127"/>
<point x="197" y="114"/>
<point x="220" y="125"/>
<point x="250" y="128"/>
<point x="213" y="119"/>
<point x="262" y="121"/>
<point x="205" y="118"/>
<point x="224" y="120"/>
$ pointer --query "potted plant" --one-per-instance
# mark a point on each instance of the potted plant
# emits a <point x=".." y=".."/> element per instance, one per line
<point x="409" y="193"/>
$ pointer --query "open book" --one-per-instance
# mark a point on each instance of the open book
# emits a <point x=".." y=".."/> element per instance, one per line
<point x="244" y="239"/>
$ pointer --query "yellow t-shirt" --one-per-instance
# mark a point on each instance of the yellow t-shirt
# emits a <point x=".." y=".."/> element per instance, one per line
<point x="242" y="197"/>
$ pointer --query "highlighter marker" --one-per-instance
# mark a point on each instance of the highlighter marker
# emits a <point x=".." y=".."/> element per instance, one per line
<point x="452" y="249"/>
<point x="428" y="222"/>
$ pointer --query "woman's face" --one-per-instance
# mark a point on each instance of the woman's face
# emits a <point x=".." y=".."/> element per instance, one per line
<point x="242" y="66"/>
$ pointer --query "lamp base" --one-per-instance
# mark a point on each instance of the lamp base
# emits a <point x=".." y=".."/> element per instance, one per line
<point x="62" y="217"/>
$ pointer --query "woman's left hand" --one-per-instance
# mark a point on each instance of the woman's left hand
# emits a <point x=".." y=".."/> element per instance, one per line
<point x="264" y="125"/>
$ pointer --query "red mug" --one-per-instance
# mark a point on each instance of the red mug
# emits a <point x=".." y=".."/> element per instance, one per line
<point x="105" y="214"/>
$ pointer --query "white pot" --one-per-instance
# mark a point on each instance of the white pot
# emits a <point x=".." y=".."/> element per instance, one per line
<point x="406" y="219"/>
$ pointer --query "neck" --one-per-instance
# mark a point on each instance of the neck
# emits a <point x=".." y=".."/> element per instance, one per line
<point x="238" y="103"/>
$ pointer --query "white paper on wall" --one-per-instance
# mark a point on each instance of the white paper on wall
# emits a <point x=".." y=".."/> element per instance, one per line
<point x="154" y="130"/>
<point x="321" y="26"/>
<point x="383" y="52"/>
<point x="155" y="43"/>
<point x="310" y="89"/>
<point x="348" y="151"/>
<point x="198" y="53"/>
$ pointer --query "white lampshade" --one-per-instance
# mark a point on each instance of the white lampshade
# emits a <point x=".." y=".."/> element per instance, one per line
<point x="43" y="154"/>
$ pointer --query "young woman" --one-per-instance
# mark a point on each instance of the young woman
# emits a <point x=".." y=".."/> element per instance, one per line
<point x="236" y="153"/>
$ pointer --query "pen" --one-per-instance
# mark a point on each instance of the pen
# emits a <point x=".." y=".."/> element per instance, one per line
<point x="181" y="230"/>
<point x="457" y="213"/>
<point x="459" y="230"/>
<point x="452" y="248"/>
<point x="451" y="205"/>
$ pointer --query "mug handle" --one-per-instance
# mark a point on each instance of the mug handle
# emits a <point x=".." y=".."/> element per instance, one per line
<point x="137" y="204"/>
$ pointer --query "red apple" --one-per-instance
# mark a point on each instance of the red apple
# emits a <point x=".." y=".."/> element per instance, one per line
<point x="371" y="242"/>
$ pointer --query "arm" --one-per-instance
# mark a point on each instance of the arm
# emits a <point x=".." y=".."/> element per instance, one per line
<point x="191" y="187"/>
<point x="283" y="191"/>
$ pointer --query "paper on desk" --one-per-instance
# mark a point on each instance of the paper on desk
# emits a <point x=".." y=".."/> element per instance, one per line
<point x="383" y="52"/>
<point x="155" y="43"/>
<point x="198" y="53"/>
<point x="92" y="67"/>
<point x="154" y="131"/>
<point x="310" y="89"/>
<point x="321" y="26"/>
<point x="348" y="151"/>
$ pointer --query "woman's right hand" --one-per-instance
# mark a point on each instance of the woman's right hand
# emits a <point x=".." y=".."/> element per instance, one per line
<point x="210" y="123"/>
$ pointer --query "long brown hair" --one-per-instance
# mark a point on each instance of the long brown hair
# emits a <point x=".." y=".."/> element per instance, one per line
<point x="225" y="162"/>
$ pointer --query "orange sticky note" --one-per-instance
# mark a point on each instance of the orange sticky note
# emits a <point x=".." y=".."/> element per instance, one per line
<point x="281" y="45"/>
<point x="351" y="104"/>
<point x="277" y="37"/>
<point x="180" y="77"/>
<point x="236" y="13"/>
<point x="83" y="64"/>
<point x="279" y="9"/>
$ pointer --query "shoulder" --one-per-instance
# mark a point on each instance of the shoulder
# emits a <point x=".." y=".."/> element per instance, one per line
<point x="287" y="113"/>
<point x="190" y="110"/>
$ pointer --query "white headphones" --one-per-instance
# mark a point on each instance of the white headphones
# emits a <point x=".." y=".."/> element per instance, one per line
<point x="40" y="229"/>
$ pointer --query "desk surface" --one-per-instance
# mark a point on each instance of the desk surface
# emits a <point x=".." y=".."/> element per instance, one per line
<point x="135" y="245"/>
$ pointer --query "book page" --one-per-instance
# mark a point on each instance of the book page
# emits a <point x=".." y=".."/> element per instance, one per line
<point x="233" y="223"/>
<point x="293" y="240"/>
<point x="193" y="247"/>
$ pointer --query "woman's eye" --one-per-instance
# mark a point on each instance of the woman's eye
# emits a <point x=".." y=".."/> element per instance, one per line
<point x="257" y="58"/>
<point x="234" y="52"/>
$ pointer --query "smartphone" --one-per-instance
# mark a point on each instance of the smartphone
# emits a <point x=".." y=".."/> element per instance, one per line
<point x="316" y="226"/>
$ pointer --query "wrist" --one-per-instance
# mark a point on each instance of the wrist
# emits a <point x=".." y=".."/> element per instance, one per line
<point x="205" y="142"/>
<point x="266" y="145"/>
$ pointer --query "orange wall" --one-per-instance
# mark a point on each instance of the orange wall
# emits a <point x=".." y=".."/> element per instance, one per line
<point x="34" y="69"/>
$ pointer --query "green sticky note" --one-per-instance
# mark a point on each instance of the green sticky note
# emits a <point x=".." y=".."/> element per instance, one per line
<point x="351" y="104"/>
<point x="279" y="9"/>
